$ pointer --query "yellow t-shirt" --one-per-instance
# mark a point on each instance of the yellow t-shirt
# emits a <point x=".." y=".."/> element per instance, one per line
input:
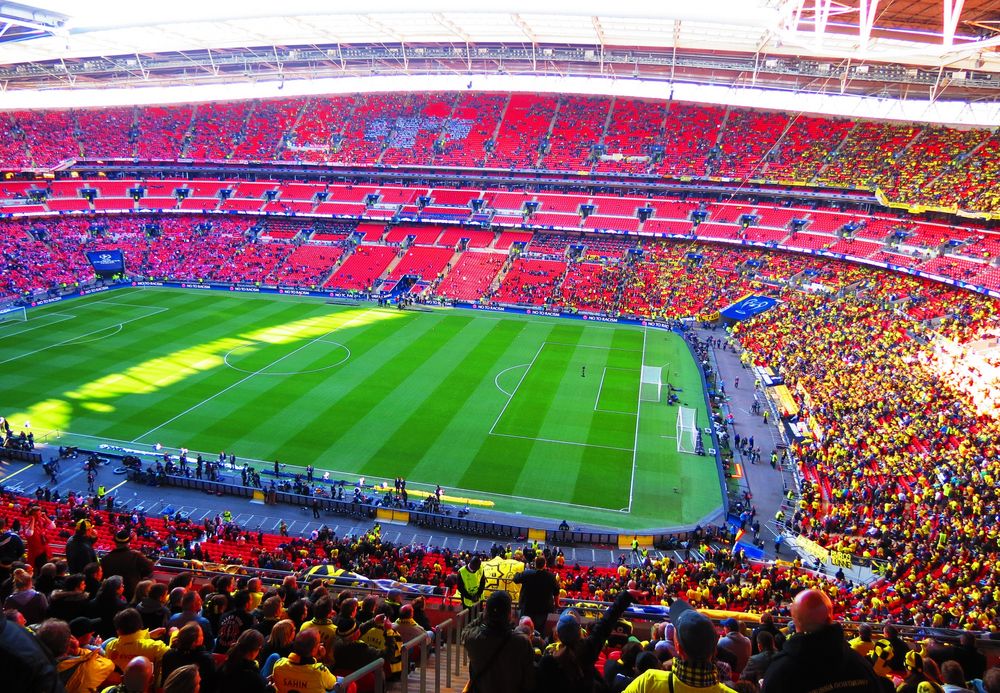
<point x="658" y="681"/>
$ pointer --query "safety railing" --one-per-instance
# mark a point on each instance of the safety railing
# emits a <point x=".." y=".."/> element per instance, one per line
<point x="377" y="668"/>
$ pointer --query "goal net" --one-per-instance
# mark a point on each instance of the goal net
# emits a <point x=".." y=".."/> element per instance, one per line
<point x="687" y="430"/>
<point x="13" y="315"/>
<point x="650" y="386"/>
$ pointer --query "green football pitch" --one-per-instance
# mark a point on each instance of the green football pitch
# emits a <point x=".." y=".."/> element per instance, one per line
<point x="541" y="416"/>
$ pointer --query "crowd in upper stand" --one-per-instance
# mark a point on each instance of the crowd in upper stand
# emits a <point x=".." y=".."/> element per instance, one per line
<point x="912" y="163"/>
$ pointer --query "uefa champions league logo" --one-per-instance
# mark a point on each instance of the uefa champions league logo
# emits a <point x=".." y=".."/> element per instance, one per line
<point x="105" y="258"/>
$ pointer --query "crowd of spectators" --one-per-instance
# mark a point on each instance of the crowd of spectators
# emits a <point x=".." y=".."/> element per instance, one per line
<point x="932" y="166"/>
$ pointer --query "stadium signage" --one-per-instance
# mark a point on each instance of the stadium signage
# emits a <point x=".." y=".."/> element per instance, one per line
<point x="748" y="307"/>
<point x="599" y="318"/>
<point x="476" y="306"/>
<point x="547" y="313"/>
<point x="245" y="289"/>
<point x="96" y="290"/>
<point x="111" y="261"/>
<point x="294" y="292"/>
<point x="148" y="284"/>
<point x="43" y="301"/>
<point x="195" y="286"/>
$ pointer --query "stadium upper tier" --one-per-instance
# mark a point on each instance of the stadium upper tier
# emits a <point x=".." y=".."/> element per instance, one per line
<point x="911" y="163"/>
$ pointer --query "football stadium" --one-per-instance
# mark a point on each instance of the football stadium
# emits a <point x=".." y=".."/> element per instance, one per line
<point x="467" y="347"/>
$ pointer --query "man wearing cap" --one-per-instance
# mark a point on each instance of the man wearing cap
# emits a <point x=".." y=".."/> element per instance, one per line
<point x="350" y="652"/>
<point x="131" y="565"/>
<point x="735" y="642"/>
<point x="693" y="669"/>
<point x="817" y="656"/>
<point x="499" y="659"/>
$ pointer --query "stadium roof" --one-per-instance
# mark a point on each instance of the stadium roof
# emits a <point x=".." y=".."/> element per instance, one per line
<point x="936" y="49"/>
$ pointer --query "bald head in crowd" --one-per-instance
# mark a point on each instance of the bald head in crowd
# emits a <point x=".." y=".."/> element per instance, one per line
<point x="811" y="610"/>
<point x="138" y="675"/>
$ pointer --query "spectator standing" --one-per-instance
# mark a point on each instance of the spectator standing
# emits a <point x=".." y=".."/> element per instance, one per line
<point x="818" y="654"/>
<point x="539" y="592"/>
<point x="693" y="669"/>
<point x="471" y="582"/>
<point x="571" y="667"/>
<point x="758" y="664"/>
<point x="11" y="549"/>
<point x="499" y="660"/>
<point x="36" y="531"/>
<point x="80" y="547"/>
<point x="972" y="661"/>
<point x="123" y="560"/>
<point x="734" y="641"/>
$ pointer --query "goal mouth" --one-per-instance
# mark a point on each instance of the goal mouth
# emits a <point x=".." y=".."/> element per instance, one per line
<point x="13" y="314"/>
<point x="651" y="384"/>
<point x="687" y="430"/>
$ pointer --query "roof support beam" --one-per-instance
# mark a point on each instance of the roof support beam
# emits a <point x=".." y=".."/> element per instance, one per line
<point x="866" y="20"/>
<point x="952" y="12"/>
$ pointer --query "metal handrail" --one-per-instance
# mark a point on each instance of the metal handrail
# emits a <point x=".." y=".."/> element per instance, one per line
<point x="377" y="667"/>
<point x="421" y="641"/>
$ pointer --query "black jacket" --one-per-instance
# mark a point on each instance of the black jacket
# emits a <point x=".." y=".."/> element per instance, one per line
<point x="241" y="677"/>
<point x="576" y="673"/>
<point x="817" y="661"/>
<point x="68" y="605"/>
<point x="175" y="659"/>
<point x="80" y="552"/>
<point x="27" y="666"/>
<point x="539" y="590"/>
<point x="131" y="565"/>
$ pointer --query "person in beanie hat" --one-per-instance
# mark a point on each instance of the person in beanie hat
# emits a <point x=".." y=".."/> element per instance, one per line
<point x="80" y="547"/>
<point x="131" y="565"/>
<point x="693" y="669"/>
<point x="500" y="660"/>
<point x="571" y="667"/>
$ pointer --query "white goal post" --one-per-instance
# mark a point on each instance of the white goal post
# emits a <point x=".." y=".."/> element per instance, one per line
<point x="651" y="386"/>
<point x="687" y="430"/>
<point x="18" y="314"/>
